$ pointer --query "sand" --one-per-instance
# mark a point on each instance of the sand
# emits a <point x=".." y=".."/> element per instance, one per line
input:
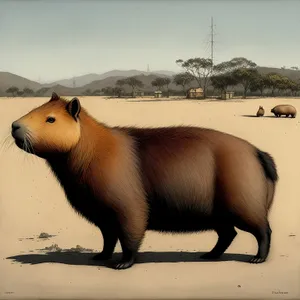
<point x="31" y="202"/>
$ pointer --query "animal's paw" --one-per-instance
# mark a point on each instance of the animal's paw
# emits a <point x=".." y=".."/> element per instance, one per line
<point x="210" y="255"/>
<point x="102" y="256"/>
<point x="122" y="265"/>
<point x="256" y="260"/>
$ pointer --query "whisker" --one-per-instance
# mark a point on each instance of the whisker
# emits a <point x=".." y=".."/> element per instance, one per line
<point x="6" y="143"/>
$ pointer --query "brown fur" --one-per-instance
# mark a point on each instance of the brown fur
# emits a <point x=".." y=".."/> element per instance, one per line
<point x="260" y="112"/>
<point x="284" y="109"/>
<point x="127" y="180"/>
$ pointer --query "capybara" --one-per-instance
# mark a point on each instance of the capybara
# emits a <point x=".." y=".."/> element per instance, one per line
<point x="284" y="109"/>
<point x="260" y="111"/>
<point x="126" y="180"/>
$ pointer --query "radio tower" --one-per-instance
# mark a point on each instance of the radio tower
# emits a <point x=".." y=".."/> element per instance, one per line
<point x="148" y="69"/>
<point x="212" y="41"/>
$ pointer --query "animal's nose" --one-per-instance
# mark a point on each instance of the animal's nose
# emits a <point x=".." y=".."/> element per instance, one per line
<point x="15" y="126"/>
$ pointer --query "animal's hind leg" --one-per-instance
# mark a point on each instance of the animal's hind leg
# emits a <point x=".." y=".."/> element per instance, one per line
<point x="263" y="237"/>
<point x="226" y="235"/>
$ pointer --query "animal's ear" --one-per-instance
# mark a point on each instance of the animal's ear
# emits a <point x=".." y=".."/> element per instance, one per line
<point x="54" y="97"/>
<point x="74" y="108"/>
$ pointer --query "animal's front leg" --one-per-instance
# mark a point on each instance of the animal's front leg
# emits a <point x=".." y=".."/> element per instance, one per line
<point x="131" y="234"/>
<point x="110" y="239"/>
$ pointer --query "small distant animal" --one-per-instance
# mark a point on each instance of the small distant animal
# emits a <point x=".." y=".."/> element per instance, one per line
<point x="127" y="180"/>
<point x="284" y="110"/>
<point x="260" y="111"/>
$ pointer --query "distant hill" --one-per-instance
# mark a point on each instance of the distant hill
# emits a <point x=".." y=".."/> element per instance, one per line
<point x="81" y="81"/>
<point x="111" y="82"/>
<point x="292" y="74"/>
<point x="63" y="91"/>
<point x="94" y="82"/>
<point x="8" y="80"/>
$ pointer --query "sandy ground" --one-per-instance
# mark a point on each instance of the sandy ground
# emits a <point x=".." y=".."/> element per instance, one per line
<point x="31" y="202"/>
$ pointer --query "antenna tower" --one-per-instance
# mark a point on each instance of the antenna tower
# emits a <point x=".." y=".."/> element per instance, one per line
<point x="212" y="40"/>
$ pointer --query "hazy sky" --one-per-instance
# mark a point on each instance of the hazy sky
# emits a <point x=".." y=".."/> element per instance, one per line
<point x="50" y="40"/>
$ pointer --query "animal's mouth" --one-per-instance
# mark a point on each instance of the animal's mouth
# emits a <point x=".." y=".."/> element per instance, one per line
<point x="19" y="143"/>
<point x="24" y="144"/>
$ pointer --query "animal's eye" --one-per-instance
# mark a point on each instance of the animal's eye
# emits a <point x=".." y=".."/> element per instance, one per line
<point x="50" y="120"/>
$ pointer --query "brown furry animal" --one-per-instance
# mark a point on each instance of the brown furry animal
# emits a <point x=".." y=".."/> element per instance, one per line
<point x="260" y="111"/>
<point x="284" y="109"/>
<point x="127" y="180"/>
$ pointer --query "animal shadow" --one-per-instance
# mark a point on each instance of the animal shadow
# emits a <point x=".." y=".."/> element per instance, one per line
<point x="254" y="116"/>
<point x="84" y="259"/>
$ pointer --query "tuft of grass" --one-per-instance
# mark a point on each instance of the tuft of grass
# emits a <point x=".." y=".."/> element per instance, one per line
<point x="53" y="248"/>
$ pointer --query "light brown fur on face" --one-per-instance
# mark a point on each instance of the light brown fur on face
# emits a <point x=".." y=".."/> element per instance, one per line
<point x="59" y="136"/>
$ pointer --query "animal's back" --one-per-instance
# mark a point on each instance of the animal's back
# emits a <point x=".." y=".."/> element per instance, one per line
<point x="284" y="108"/>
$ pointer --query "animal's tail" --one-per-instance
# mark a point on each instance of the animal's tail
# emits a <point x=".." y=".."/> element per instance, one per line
<point x="270" y="170"/>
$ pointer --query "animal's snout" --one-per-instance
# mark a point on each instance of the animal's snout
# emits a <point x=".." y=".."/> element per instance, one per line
<point x="17" y="130"/>
<point x="15" y="126"/>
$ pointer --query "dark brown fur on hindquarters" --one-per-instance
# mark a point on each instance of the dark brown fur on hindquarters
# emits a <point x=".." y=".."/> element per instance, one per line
<point x="127" y="180"/>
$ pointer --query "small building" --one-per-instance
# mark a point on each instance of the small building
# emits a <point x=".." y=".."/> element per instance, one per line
<point x="158" y="94"/>
<point x="195" y="93"/>
<point x="227" y="95"/>
<point x="138" y="93"/>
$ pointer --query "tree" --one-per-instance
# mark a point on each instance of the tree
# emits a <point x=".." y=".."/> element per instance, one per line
<point x="20" y="93"/>
<point x="96" y="92"/>
<point x="284" y="84"/>
<point x="87" y="92"/>
<point x="245" y="76"/>
<point x="198" y="68"/>
<point x="12" y="90"/>
<point x="167" y="81"/>
<point x="294" y="68"/>
<point x="120" y="82"/>
<point x="41" y="91"/>
<point x="228" y="67"/>
<point x="229" y="73"/>
<point x="223" y="81"/>
<point x="108" y="91"/>
<point x="273" y="80"/>
<point x="183" y="79"/>
<point x="134" y="83"/>
<point x="118" y="91"/>
<point x="158" y="82"/>
<point x="295" y="88"/>
<point x="259" y="83"/>
<point x="28" y="92"/>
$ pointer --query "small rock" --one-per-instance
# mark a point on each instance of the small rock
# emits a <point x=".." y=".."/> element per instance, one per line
<point x="44" y="235"/>
<point x="239" y="286"/>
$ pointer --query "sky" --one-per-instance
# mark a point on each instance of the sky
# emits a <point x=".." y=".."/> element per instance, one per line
<point x="50" y="40"/>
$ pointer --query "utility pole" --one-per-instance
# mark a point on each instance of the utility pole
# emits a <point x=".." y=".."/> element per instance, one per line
<point x="74" y="82"/>
<point x="148" y="70"/>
